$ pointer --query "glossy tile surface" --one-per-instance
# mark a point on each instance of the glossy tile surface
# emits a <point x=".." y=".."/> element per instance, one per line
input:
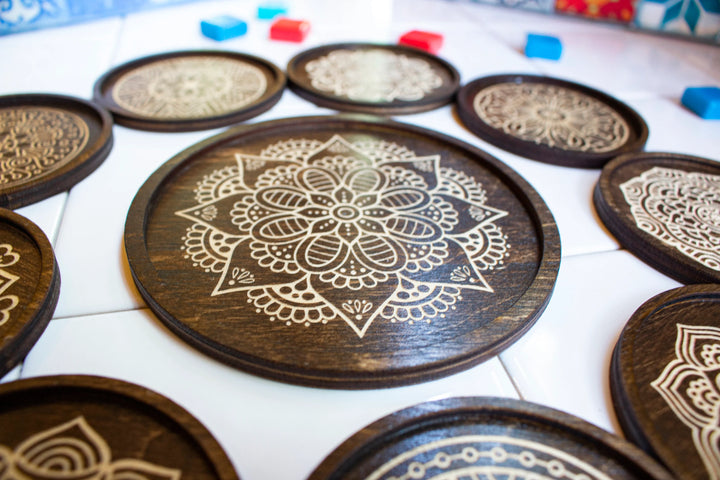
<point x="102" y="327"/>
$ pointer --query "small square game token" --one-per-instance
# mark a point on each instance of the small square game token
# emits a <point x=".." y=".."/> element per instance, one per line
<point x="428" y="41"/>
<point x="704" y="101"/>
<point x="543" y="46"/>
<point x="270" y="10"/>
<point x="289" y="30"/>
<point x="223" y="27"/>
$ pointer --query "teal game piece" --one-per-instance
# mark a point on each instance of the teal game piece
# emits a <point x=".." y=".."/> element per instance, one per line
<point x="268" y="11"/>
<point x="543" y="46"/>
<point x="704" y="101"/>
<point x="223" y="27"/>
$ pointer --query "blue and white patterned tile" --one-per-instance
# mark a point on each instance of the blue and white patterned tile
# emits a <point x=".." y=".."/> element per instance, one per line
<point x="696" y="18"/>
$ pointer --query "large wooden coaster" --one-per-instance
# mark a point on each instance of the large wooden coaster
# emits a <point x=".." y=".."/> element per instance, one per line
<point x="550" y="120"/>
<point x="485" y="438"/>
<point x="376" y="79"/>
<point x="665" y="209"/>
<point x="342" y="251"/>
<point x="190" y="90"/>
<point x="29" y="287"/>
<point x="48" y="143"/>
<point x="84" y="427"/>
<point x="664" y="380"/>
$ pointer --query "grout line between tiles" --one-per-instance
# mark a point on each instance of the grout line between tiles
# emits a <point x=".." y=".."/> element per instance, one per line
<point x="512" y="379"/>
<point x="93" y="314"/>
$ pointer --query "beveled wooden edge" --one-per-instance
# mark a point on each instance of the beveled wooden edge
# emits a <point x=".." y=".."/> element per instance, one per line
<point x="407" y="108"/>
<point x="540" y="152"/>
<point x="623" y="388"/>
<point x="140" y="394"/>
<point x="523" y="314"/>
<point x="91" y="157"/>
<point x="38" y="312"/>
<point x="415" y="418"/>
<point x="664" y="259"/>
<point x="272" y="95"/>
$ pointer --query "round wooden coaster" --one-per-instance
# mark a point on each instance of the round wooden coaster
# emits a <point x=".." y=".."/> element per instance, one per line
<point x="665" y="209"/>
<point x="29" y="287"/>
<point x="190" y="90"/>
<point x="664" y="379"/>
<point x="375" y="79"/>
<point x="48" y="143"/>
<point x="72" y="427"/>
<point x="342" y="251"/>
<point x="476" y="437"/>
<point x="550" y="120"/>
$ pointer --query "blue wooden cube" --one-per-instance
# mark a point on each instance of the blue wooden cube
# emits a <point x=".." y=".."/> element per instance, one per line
<point x="543" y="46"/>
<point x="223" y="27"/>
<point x="705" y="101"/>
<point x="269" y="11"/>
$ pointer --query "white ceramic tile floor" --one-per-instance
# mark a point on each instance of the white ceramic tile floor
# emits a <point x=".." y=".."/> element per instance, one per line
<point x="101" y="326"/>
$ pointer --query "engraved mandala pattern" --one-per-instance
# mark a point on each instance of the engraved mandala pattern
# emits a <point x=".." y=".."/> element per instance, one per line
<point x="486" y="457"/>
<point x="186" y="88"/>
<point x="373" y="76"/>
<point x="690" y="386"/>
<point x="74" y="450"/>
<point x="8" y="258"/>
<point x="550" y="115"/>
<point x="681" y="209"/>
<point x="313" y="232"/>
<point x="35" y="141"/>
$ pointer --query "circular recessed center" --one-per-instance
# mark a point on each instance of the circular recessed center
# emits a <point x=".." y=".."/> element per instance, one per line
<point x="346" y="213"/>
<point x="550" y="114"/>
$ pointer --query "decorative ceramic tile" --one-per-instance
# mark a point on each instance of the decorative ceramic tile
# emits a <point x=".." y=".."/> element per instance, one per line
<point x="699" y="18"/>
<point x="537" y="5"/>
<point x="616" y="10"/>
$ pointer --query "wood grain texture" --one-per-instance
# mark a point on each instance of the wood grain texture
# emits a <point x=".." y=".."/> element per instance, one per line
<point x="189" y="90"/>
<point x="550" y="120"/>
<point x="663" y="208"/>
<point x="48" y="143"/>
<point x="373" y="78"/>
<point x="78" y="426"/>
<point x="484" y="437"/>
<point x="344" y="252"/>
<point x="29" y="287"/>
<point x="663" y="379"/>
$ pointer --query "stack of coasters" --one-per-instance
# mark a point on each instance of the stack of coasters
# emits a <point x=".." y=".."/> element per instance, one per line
<point x="189" y="90"/>
<point x="29" y="287"/>
<point x="550" y="120"/>
<point x="375" y="79"/>
<point x="339" y="252"/>
<point x="485" y="437"/>
<point x="664" y="382"/>
<point x="665" y="209"/>
<point x="48" y="143"/>
<point x="94" y="427"/>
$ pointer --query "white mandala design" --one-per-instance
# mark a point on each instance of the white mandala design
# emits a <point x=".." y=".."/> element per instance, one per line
<point x="689" y="385"/>
<point x="195" y="87"/>
<point x="681" y="209"/>
<point x="314" y="231"/>
<point x="486" y="457"/>
<point x="373" y="75"/>
<point x="553" y="116"/>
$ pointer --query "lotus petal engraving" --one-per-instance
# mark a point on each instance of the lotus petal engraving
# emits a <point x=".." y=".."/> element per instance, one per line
<point x="689" y="385"/>
<point x="371" y="218"/>
<point x="74" y="451"/>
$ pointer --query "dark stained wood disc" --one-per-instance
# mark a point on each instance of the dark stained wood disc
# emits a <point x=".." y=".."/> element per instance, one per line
<point x="29" y="287"/>
<point x="485" y="437"/>
<point x="375" y="79"/>
<point x="550" y="120"/>
<point x="664" y="379"/>
<point x="72" y="427"/>
<point x="190" y="90"/>
<point x="344" y="252"/>
<point x="665" y="209"/>
<point x="48" y="143"/>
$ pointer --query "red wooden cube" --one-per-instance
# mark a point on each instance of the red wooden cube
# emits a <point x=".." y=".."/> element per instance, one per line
<point x="428" y="41"/>
<point x="289" y="30"/>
